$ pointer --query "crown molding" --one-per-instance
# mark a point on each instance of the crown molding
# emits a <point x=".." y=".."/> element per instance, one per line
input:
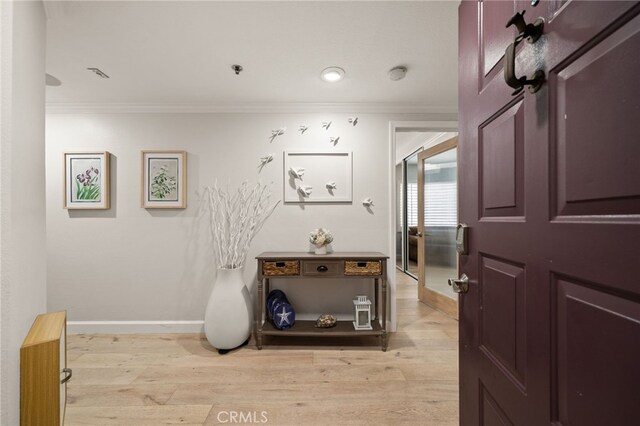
<point x="239" y="108"/>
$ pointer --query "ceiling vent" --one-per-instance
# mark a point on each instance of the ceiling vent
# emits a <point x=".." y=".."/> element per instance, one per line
<point x="97" y="72"/>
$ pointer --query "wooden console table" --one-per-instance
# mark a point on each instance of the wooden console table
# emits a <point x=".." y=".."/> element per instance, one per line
<point x="344" y="265"/>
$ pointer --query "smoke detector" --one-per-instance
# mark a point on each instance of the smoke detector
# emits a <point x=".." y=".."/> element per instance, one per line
<point x="397" y="73"/>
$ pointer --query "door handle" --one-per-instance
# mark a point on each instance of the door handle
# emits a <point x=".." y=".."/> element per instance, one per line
<point x="530" y="32"/>
<point x="68" y="373"/>
<point x="460" y="285"/>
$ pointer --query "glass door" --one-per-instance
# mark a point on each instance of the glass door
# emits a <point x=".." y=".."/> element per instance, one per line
<point x="407" y="215"/>
<point x="437" y="222"/>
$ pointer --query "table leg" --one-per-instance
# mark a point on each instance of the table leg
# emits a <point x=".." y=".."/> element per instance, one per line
<point x="259" y="319"/>
<point x="376" y="299"/>
<point x="384" y="313"/>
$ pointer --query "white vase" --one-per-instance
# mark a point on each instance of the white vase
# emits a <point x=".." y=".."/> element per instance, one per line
<point x="321" y="249"/>
<point x="229" y="314"/>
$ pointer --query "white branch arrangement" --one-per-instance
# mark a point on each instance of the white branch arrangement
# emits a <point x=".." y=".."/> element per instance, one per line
<point x="235" y="219"/>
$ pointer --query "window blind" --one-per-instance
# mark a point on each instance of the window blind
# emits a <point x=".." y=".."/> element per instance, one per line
<point x="441" y="204"/>
<point x="412" y="204"/>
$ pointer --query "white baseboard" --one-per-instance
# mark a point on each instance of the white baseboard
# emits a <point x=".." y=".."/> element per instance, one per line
<point x="128" y="327"/>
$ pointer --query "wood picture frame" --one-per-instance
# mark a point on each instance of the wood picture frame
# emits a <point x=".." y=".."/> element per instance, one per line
<point x="86" y="180"/>
<point x="163" y="179"/>
<point x="320" y="170"/>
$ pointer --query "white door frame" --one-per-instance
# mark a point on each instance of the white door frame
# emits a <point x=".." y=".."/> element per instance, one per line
<point x="394" y="126"/>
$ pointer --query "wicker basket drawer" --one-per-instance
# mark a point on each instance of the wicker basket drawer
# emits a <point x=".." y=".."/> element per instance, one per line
<point x="281" y="268"/>
<point x="371" y="267"/>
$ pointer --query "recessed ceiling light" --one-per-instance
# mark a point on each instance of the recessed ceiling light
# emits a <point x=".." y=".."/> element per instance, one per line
<point x="332" y="74"/>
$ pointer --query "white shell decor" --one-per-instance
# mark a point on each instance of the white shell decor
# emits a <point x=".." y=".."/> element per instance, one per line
<point x="303" y="129"/>
<point x="353" y="120"/>
<point x="305" y="191"/>
<point x="367" y="202"/>
<point x="331" y="185"/>
<point x="277" y="132"/>
<point x="265" y="160"/>
<point x="334" y="140"/>
<point x="326" y="125"/>
<point x="296" y="173"/>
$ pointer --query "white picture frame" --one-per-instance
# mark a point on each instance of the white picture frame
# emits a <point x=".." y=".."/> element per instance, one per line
<point x="86" y="180"/>
<point x="320" y="169"/>
<point x="164" y="179"/>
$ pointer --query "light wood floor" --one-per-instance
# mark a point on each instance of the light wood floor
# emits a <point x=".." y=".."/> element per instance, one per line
<point x="179" y="379"/>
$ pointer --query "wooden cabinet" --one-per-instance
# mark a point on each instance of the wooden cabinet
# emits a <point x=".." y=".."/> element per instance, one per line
<point x="343" y="266"/>
<point x="43" y="371"/>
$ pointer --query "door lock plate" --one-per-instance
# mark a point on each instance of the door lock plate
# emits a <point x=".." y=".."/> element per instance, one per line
<point x="462" y="237"/>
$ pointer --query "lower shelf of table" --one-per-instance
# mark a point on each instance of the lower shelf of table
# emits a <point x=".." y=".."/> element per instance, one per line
<point x="307" y="328"/>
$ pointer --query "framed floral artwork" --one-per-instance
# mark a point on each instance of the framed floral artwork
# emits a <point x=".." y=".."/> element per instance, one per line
<point x="164" y="179"/>
<point x="86" y="180"/>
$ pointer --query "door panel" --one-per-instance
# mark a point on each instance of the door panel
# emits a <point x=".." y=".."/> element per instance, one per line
<point x="550" y="326"/>
<point x="502" y="319"/>
<point x="593" y="175"/>
<point x="492" y="414"/>
<point x="501" y="169"/>
<point x="586" y="380"/>
<point x="494" y="34"/>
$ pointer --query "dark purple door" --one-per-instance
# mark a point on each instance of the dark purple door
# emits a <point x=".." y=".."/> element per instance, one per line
<point x="550" y="187"/>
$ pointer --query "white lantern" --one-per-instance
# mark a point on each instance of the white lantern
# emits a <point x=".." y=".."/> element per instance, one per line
<point x="363" y="313"/>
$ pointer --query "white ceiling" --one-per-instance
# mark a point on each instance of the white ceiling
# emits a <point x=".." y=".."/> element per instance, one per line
<point x="180" y="52"/>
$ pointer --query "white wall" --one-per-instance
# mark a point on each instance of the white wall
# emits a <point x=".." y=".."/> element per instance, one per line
<point x="22" y="184"/>
<point x="131" y="264"/>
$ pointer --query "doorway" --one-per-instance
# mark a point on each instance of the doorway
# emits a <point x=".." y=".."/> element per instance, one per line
<point x="409" y="139"/>
<point x="437" y="192"/>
